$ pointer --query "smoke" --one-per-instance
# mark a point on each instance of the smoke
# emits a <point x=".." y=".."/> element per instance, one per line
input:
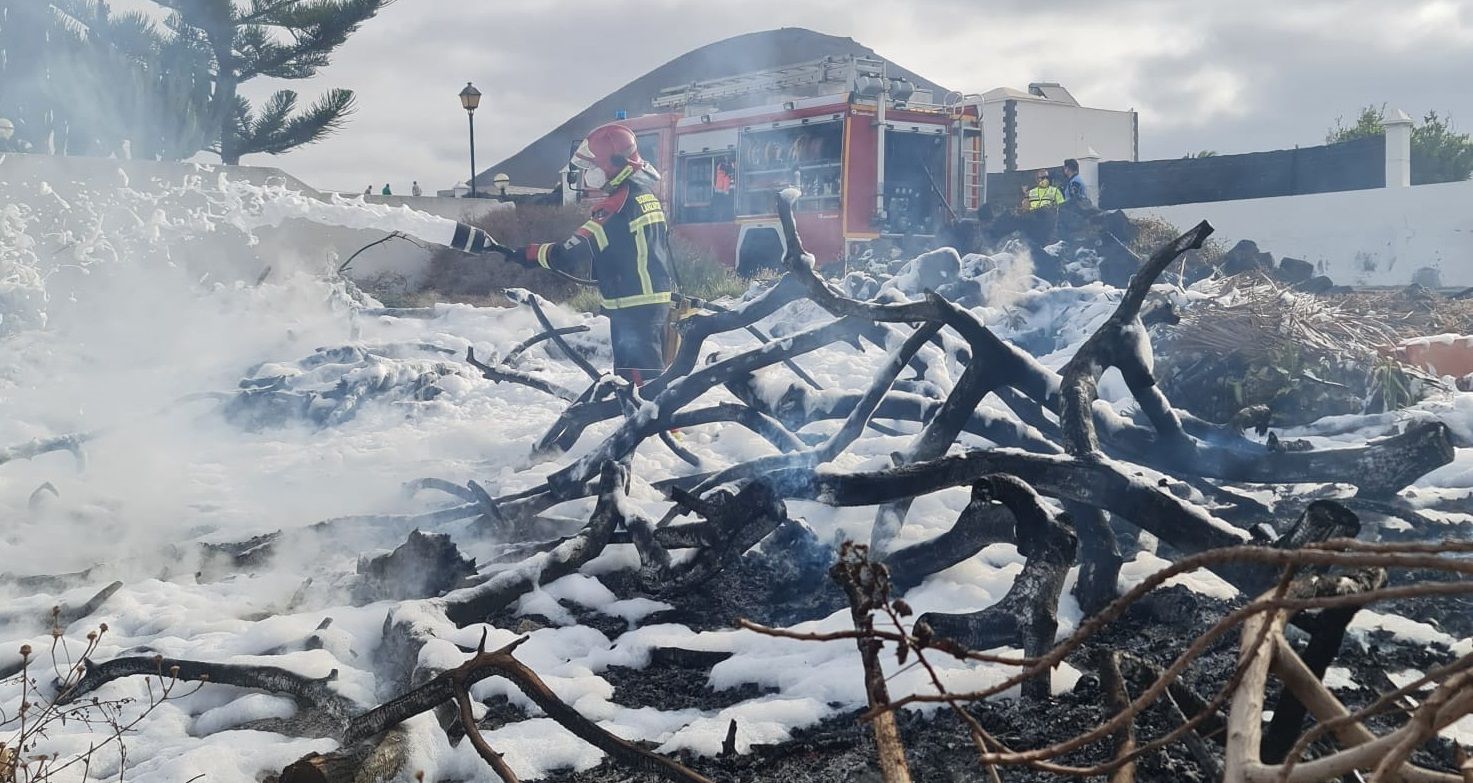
<point x="1010" y="275"/>
<point x="130" y="308"/>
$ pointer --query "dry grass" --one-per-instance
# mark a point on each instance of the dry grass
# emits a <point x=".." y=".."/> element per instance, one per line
<point x="1256" y="318"/>
<point x="457" y="277"/>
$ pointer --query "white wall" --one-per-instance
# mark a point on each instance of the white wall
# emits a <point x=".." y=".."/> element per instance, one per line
<point x="1050" y="132"/>
<point x="1357" y="237"/>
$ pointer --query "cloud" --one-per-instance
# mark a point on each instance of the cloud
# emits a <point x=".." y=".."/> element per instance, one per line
<point x="1230" y="75"/>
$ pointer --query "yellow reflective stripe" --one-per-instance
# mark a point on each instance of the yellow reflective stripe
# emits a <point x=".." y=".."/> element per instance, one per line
<point x="542" y="255"/>
<point x="646" y="220"/>
<point x="595" y="228"/>
<point x="636" y="300"/>
<point x="621" y="176"/>
<point x="642" y="262"/>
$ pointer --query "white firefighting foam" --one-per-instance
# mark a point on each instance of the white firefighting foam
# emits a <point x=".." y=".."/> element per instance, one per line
<point x="122" y="305"/>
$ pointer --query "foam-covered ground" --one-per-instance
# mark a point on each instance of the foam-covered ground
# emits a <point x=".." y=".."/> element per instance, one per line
<point x="110" y="329"/>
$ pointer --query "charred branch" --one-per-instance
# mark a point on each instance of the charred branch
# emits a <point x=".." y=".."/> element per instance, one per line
<point x="653" y="416"/>
<point x="1112" y="682"/>
<point x="1028" y="615"/>
<point x="748" y="417"/>
<point x="471" y="604"/>
<point x="853" y="424"/>
<point x="473" y="735"/>
<point x="1101" y="484"/>
<point x="734" y="523"/>
<point x="314" y="694"/>
<point x="1099" y="558"/>
<point x="1322" y="649"/>
<point x="364" y="761"/>
<point x="39" y="446"/>
<point x="764" y="339"/>
<point x="535" y="302"/>
<point x="69" y="614"/>
<point x="424" y="566"/>
<point x="499" y="374"/>
<point x="502" y="663"/>
<point x="797" y="407"/>
<point x="1121" y="342"/>
<point x="984" y="521"/>
<point x="937" y="436"/>
<point x="522" y="347"/>
<point x="867" y="585"/>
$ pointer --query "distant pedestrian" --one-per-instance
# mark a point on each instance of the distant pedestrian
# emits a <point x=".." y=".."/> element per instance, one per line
<point x="386" y="191"/>
<point x="416" y="190"/>
<point x="1044" y="194"/>
<point x="1075" y="191"/>
<point x="368" y="191"/>
<point x="8" y="142"/>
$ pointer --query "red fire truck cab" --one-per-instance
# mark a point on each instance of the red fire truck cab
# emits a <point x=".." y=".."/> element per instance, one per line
<point x="870" y="160"/>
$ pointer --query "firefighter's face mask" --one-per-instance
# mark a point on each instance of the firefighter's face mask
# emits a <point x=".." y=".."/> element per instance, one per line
<point x="593" y="177"/>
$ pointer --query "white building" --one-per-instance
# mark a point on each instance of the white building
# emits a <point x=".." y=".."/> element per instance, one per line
<point x="1043" y="126"/>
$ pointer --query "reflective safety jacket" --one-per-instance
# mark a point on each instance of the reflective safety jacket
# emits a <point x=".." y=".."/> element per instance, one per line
<point x="1044" y="197"/>
<point x="627" y="240"/>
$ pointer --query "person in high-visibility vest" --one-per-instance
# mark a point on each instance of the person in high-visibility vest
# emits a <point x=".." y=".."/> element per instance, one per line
<point x="1044" y="194"/>
<point x="627" y="241"/>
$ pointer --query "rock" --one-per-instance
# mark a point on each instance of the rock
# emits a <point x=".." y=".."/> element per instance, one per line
<point x="1046" y="265"/>
<point x="1316" y="285"/>
<point x="935" y="269"/>
<point x="1427" y="277"/>
<point x="967" y="293"/>
<point x="1245" y="257"/>
<point x="859" y="285"/>
<point x="1117" y="264"/>
<point x="1118" y="224"/>
<point x="1295" y="270"/>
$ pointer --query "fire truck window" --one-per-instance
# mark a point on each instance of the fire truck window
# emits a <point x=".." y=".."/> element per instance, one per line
<point x="649" y="149"/>
<point x="808" y="157"/>
<point x="705" y="188"/>
<point x="913" y="161"/>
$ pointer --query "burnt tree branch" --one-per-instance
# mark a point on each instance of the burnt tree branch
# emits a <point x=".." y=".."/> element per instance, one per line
<point x="445" y="686"/>
<point x="1028" y="614"/>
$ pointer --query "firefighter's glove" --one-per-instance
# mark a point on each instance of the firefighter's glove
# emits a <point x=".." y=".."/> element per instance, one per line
<point x="526" y="256"/>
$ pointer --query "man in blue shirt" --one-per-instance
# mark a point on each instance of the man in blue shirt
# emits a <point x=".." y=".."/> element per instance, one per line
<point x="1075" y="190"/>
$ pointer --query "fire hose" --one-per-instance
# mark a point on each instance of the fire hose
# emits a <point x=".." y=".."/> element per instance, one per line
<point x="469" y="239"/>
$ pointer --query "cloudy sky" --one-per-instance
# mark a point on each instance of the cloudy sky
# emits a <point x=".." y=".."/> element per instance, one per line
<point x="1226" y="75"/>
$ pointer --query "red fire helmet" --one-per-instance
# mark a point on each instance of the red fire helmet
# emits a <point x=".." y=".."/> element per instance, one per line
<point x="609" y="148"/>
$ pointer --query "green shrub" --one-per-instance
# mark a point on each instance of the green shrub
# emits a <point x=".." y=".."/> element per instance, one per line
<point x="585" y="300"/>
<point x="700" y="275"/>
<point x="1152" y="233"/>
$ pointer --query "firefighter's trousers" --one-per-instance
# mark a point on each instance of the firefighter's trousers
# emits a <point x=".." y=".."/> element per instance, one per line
<point x="638" y="337"/>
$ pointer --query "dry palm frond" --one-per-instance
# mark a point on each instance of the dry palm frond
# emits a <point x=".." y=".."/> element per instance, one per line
<point x="1259" y="319"/>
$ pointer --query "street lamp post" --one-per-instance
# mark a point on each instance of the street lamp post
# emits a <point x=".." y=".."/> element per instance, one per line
<point x="470" y="98"/>
<point x="501" y="181"/>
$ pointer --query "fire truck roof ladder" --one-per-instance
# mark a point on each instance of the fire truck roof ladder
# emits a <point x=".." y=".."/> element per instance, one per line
<point x="837" y="70"/>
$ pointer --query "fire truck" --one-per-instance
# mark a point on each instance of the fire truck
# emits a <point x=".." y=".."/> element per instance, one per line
<point x="874" y="158"/>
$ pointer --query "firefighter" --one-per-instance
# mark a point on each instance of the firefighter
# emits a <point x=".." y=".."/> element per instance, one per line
<point x="1044" y="194"/>
<point x="626" y="239"/>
